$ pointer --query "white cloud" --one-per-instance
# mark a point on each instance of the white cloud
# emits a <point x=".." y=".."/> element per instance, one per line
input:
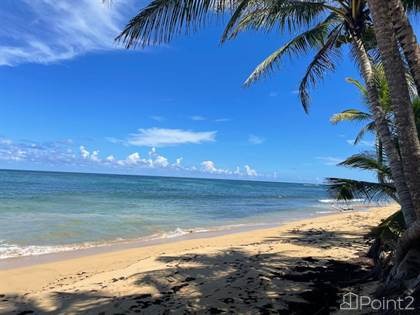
<point x="157" y="160"/>
<point x="210" y="167"/>
<point x="5" y="141"/>
<point x="48" y="152"/>
<point x="84" y="152"/>
<point x="157" y="118"/>
<point x="133" y="159"/>
<point x="250" y="172"/>
<point x="253" y="139"/>
<point x="198" y="118"/>
<point x="61" y="153"/>
<point x="13" y="154"/>
<point x="86" y="155"/>
<point x="47" y="31"/>
<point x="160" y="161"/>
<point x="110" y="159"/>
<point x="158" y="137"/>
<point x="237" y="171"/>
<point x="330" y="160"/>
<point x="114" y="140"/>
<point x="95" y="156"/>
<point x="222" y="120"/>
<point x="178" y="162"/>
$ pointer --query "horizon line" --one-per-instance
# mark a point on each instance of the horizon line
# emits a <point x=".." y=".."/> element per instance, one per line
<point x="162" y="176"/>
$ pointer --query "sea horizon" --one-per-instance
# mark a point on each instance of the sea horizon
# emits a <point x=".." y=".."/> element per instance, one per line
<point x="257" y="179"/>
<point x="51" y="212"/>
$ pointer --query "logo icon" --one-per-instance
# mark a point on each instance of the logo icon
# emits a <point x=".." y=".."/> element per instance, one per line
<point x="350" y="302"/>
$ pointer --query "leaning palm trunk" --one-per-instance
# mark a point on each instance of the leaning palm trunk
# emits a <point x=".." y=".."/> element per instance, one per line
<point x="407" y="39"/>
<point x="383" y="131"/>
<point x="405" y="271"/>
<point x="400" y="98"/>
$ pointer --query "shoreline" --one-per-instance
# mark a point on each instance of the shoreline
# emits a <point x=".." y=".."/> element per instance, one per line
<point x="91" y="249"/>
<point x="295" y="268"/>
<point x="116" y="246"/>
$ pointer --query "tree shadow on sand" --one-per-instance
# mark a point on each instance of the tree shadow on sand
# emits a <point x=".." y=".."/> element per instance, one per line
<point x="225" y="282"/>
<point x="321" y="238"/>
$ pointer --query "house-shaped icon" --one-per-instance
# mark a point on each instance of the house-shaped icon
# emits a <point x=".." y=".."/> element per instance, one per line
<point x="350" y="301"/>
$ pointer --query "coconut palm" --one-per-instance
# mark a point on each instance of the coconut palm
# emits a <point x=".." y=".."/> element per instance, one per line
<point x="407" y="256"/>
<point x="327" y="26"/>
<point x="401" y="102"/>
<point x="406" y="37"/>
<point x="377" y="161"/>
<point x="372" y="161"/>
<point x="323" y="27"/>
<point x="356" y="115"/>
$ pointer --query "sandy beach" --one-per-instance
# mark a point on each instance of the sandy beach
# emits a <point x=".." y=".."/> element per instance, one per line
<point x="296" y="268"/>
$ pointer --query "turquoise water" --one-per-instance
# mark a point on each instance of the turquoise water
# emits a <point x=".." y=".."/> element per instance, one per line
<point x="42" y="212"/>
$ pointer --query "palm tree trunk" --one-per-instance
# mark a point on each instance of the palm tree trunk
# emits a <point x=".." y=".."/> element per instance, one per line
<point x="380" y="158"/>
<point x="400" y="98"/>
<point x="407" y="258"/>
<point x="384" y="132"/>
<point x="407" y="39"/>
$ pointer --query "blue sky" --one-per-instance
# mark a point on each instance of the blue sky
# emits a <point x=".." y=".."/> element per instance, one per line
<point x="72" y="100"/>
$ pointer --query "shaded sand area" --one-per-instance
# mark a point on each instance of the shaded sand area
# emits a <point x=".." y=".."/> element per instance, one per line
<point x="301" y="267"/>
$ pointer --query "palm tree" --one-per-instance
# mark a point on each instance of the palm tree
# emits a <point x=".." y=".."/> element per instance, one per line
<point x="377" y="161"/>
<point x="387" y="233"/>
<point x="329" y="26"/>
<point x="383" y="130"/>
<point x="347" y="189"/>
<point x="404" y="116"/>
<point x="406" y="37"/>
<point x="355" y="115"/>
<point x="406" y="127"/>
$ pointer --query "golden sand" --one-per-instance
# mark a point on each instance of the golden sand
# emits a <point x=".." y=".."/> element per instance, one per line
<point x="241" y="272"/>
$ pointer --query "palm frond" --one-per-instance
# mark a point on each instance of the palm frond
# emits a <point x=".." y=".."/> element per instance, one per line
<point x="301" y="43"/>
<point x="348" y="189"/>
<point x="323" y="62"/>
<point x="370" y="127"/>
<point x="411" y="6"/>
<point x="283" y="14"/>
<point x="359" y="85"/>
<point x="367" y="161"/>
<point x="386" y="234"/>
<point x="241" y="8"/>
<point x="350" y="115"/>
<point x="411" y="86"/>
<point x="160" y="20"/>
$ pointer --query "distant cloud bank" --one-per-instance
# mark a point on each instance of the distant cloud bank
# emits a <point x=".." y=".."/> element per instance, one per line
<point x="65" y="153"/>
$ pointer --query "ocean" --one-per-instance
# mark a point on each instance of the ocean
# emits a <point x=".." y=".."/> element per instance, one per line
<point x="47" y="212"/>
